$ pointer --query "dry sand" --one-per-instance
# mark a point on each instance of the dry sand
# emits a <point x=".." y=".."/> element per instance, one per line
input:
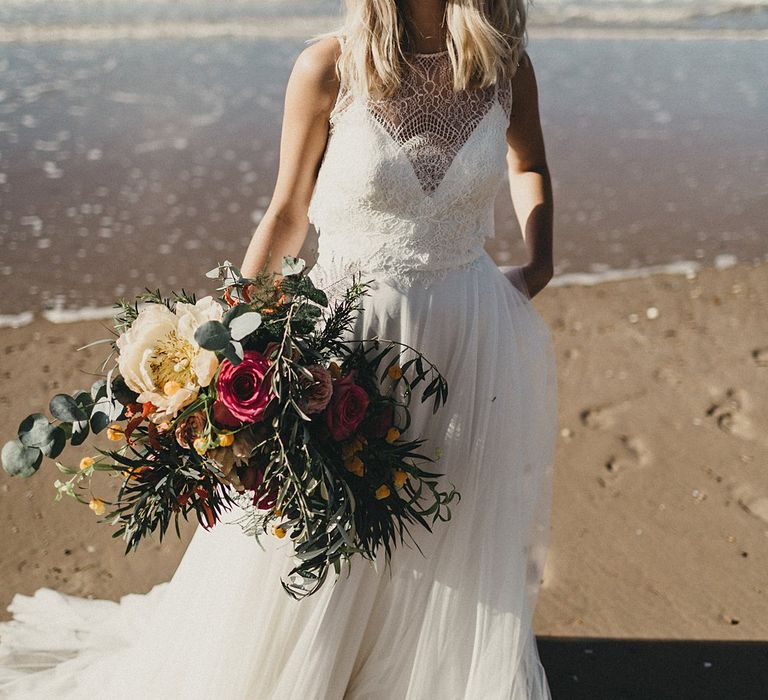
<point x="660" y="511"/>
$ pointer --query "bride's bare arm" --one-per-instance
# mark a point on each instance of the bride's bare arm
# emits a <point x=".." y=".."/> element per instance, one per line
<point x="529" y="180"/>
<point x="309" y="97"/>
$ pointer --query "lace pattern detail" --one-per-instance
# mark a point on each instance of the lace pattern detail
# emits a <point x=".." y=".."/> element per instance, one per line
<point x="407" y="183"/>
<point x="429" y="119"/>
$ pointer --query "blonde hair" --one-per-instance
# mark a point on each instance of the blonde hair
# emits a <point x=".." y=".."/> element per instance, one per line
<point x="483" y="38"/>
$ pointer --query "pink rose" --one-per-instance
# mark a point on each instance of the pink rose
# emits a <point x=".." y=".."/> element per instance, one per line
<point x="346" y="408"/>
<point x="243" y="391"/>
<point x="319" y="389"/>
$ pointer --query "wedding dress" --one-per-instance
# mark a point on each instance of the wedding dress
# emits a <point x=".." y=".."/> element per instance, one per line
<point x="405" y="195"/>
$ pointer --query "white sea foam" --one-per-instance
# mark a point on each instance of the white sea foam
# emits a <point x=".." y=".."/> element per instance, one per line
<point x="16" y="320"/>
<point x="73" y="315"/>
<point x="689" y="268"/>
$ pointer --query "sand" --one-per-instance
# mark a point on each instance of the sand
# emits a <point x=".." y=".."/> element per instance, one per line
<point x="660" y="509"/>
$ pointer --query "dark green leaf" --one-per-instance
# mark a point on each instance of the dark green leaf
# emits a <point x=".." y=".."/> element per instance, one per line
<point x="212" y="335"/>
<point x="64" y="408"/>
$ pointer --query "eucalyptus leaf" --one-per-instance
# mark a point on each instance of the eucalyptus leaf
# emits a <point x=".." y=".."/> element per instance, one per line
<point x="212" y="335"/>
<point x="215" y="273"/>
<point x="98" y="389"/>
<point x="20" y="460"/>
<point x="36" y="431"/>
<point x="80" y="432"/>
<point x="58" y="441"/>
<point x="292" y="265"/>
<point x="99" y="421"/>
<point x="231" y="354"/>
<point x="245" y="324"/>
<point x="64" y="408"/>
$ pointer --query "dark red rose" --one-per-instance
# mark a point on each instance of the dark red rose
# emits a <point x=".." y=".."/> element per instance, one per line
<point x="252" y="478"/>
<point x="381" y="422"/>
<point x="347" y="407"/>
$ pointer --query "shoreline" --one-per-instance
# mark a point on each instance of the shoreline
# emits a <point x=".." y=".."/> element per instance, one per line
<point x="688" y="268"/>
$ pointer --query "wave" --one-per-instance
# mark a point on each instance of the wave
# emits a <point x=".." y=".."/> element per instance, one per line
<point x="302" y="29"/>
<point x="689" y="268"/>
<point x="91" y="20"/>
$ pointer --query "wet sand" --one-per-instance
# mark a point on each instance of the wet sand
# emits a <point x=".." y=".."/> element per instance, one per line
<point x="660" y="510"/>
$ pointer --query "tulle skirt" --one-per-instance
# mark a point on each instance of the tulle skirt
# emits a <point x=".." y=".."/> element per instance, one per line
<point x="453" y="621"/>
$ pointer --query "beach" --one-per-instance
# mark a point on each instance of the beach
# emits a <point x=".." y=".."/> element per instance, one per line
<point x="139" y="143"/>
<point x="660" y="507"/>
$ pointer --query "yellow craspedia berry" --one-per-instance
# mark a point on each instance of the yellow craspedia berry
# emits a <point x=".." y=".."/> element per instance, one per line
<point x="382" y="492"/>
<point x="115" y="432"/>
<point x="355" y="465"/>
<point x="392" y="434"/>
<point x="279" y="531"/>
<point x="170" y="388"/>
<point x="226" y="439"/>
<point x="361" y="441"/>
<point x="395" y="372"/>
<point x="201" y="445"/>
<point x="400" y="477"/>
<point x="87" y="462"/>
<point x="348" y="450"/>
<point x="97" y="506"/>
<point x="334" y="370"/>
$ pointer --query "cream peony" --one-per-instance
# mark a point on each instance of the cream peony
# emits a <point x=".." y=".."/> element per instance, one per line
<point x="160" y="360"/>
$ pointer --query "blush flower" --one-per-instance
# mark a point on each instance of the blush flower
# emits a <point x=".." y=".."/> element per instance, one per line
<point x="190" y="428"/>
<point x="243" y="391"/>
<point x="160" y="359"/>
<point x="347" y="407"/>
<point x="319" y="389"/>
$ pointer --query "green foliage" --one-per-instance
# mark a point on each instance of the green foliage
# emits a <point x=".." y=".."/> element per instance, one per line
<point x="21" y="460"/>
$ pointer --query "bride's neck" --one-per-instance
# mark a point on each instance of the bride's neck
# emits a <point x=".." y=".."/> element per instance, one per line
<point x="424" y="19"/>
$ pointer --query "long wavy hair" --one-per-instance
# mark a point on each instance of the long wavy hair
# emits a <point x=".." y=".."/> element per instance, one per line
<point x="484" y="38"/>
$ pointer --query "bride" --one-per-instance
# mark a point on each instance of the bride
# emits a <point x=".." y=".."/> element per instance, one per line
<point x="399" y="129"/>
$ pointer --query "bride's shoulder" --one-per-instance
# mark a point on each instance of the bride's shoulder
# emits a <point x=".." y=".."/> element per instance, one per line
<point x="315" y="69"/>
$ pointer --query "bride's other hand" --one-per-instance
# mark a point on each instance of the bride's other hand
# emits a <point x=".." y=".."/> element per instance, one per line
<point x="517" y="278"/>
<point x="527" y="278"/>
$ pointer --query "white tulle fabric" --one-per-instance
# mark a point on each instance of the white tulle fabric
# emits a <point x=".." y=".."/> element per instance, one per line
<point x="454" y="622"/>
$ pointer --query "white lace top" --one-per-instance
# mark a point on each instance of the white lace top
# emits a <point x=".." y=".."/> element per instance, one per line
<point x="407" y="183"/>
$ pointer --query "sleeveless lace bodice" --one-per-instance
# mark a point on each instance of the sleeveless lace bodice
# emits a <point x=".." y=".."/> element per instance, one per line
<point x="407" y="183"/>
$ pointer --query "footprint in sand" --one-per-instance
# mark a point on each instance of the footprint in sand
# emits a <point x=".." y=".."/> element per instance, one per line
<point x="603" y="416"/>
<point x="631" y="452"/>
<point x="760" y="356"/>
<point x="729" y="411"/>
<point x="750" y="500"/>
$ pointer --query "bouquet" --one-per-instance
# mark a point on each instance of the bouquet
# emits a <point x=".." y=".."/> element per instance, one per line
<point x="260" y="398"/>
